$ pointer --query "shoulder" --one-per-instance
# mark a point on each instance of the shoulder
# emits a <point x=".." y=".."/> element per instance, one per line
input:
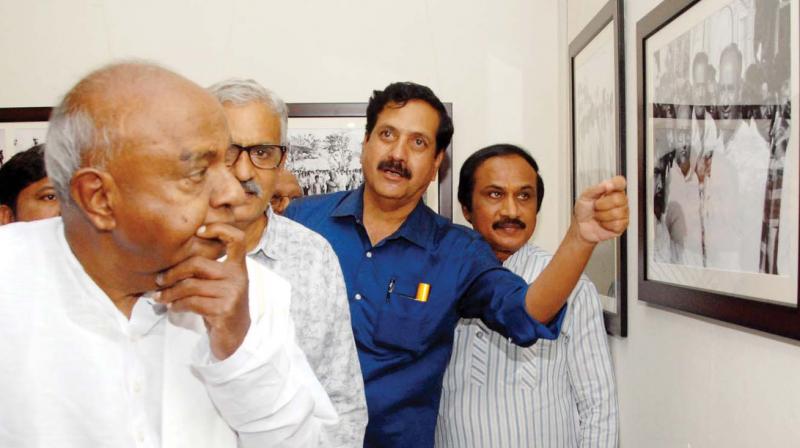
<point x="29" y="253"/>
<point x="450" y="233"/>
<point x="293" y="236"/>
<point x="27" y="240"/>
<point x="314" y="208"/>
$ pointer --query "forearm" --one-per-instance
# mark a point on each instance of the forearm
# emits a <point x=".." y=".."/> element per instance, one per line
<point x="548" y="293"/>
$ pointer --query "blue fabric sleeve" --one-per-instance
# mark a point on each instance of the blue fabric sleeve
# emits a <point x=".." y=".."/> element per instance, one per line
<point x="497" y="297"/>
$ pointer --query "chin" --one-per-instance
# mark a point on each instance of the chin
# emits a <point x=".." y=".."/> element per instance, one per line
<point x="243" y="215"/>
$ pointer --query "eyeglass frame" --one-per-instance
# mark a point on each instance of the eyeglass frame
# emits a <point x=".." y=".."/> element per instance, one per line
<point x="248" y="150"/>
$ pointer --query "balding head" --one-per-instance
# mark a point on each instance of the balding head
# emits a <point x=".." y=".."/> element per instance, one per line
<point x="137" y="152"/>
<point x="111" y="109"/>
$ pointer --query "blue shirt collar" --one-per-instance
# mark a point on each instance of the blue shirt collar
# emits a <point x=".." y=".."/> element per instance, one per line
<point x="418" y="228"/>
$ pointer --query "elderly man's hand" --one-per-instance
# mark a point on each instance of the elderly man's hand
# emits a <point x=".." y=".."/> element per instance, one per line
<point x="216" y="290"/>
<point x="601" y="212"/>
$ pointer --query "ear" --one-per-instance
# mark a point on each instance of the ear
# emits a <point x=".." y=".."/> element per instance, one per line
<point x="6" y="215"/>
<point x="466" y="213"/>
<point x="437" y="162"/>
<point x="93" y="192"/>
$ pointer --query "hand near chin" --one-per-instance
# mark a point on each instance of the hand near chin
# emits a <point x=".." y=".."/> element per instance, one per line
<point x="216" y="290"/>
<point x="601" y="212"/>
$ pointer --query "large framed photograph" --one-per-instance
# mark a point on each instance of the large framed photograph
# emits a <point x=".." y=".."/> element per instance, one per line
<point x="597" y="125"/>
<point x="21" y="128"/>
<point x="325" y="152"/>
<point x="718" y="160"/>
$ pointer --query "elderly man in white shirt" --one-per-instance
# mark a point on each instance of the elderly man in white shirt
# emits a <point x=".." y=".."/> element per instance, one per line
<point x="119" y="327"/>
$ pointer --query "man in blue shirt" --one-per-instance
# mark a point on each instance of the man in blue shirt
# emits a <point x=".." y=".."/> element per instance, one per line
<point x="411" y="274"/>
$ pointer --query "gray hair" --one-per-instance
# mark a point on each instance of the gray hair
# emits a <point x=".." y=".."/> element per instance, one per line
<point x="73" y="134"/>
<point x="240" y="91"/>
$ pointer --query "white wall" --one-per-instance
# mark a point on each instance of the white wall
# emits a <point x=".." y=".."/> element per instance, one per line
<point x="485" y="58"/>
<point x="686" y="381"/>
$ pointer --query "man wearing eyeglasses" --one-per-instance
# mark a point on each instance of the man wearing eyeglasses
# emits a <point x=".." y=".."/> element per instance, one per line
<point x="257" y="119"/>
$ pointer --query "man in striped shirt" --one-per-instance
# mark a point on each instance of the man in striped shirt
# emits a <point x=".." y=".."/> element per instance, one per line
<point x="556" y="393"/>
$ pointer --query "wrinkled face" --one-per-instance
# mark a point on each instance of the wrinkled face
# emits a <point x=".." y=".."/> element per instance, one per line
<point x="37" y="201"/>
<point x="504" y="203"/>
<point x="399" y="156"/>
<point x="171" y="179"/>
<point x="253" y="124"/>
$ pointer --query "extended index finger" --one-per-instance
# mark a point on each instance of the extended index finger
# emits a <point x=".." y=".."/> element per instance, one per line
<point x="233" y="238"/>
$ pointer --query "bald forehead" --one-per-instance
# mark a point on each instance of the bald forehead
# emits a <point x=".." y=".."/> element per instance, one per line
<point x="120" y="98"/>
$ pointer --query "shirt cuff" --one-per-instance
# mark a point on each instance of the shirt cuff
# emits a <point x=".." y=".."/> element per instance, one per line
<point x="248" y="356"/>
<point x="525" y="330"/>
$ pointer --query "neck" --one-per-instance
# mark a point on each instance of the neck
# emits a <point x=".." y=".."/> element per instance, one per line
<point x="100" y="259"/>
<point x="254" y="231"/>
<point x="382" y="216"/>
<point x="503" y="255"/>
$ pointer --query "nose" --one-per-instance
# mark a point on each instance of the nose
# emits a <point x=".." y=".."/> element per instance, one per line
<point x="510" y="208"/>
<point x="226" y="191"/>
<point x="398" y="149"/>
<point x="243" y="168"/>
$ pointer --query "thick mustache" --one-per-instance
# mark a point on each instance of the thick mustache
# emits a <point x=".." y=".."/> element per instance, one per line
<point x="396" y="166"/>
<point x="509" y="222"/>
<point x="252" y="186"/>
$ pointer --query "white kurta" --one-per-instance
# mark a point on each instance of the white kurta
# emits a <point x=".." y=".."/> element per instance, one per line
<point x="76" y="373"/>
<point x="735" y="201"/>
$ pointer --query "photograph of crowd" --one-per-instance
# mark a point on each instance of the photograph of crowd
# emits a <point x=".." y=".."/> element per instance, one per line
<point x="721" y="116"/>
<point x="325" y="160"/>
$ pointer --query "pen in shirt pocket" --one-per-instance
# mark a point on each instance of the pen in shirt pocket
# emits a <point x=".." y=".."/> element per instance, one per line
<point x="390" y="288"/>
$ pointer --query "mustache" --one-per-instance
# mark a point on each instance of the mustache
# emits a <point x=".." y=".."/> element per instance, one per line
<point x="509" y="222"/>
<point x="252" y="186"/>
<point x="397" y="166"/>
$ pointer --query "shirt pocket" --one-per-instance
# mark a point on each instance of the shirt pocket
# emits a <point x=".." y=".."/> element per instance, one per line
<point x="404" y="323"/>
<point x="496" y="361"/>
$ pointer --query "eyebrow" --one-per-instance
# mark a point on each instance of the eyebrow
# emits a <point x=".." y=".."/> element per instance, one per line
<point x="194" y="156"/>
<point x="499" y="187"/>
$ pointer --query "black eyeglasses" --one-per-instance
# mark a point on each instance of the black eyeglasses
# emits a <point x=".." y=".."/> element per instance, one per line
<point x="266" y="157"/>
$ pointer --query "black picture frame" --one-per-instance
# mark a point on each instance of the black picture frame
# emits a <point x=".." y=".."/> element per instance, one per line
<point x="337" y="110"/>
<point x="612" y="13"/>
<point x="21" y="115"/>
<point x="778" y="319"/>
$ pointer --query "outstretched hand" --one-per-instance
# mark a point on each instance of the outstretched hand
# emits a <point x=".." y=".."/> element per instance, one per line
<point x="216" y="290"/>
<point x="601" y="212"/>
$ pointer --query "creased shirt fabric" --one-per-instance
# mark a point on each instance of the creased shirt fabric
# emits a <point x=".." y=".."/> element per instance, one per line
<point x="321" y="314"/>
<point x="555" y="394"/>
<point x="404" y="344"/>
<point x="77" y="373"/>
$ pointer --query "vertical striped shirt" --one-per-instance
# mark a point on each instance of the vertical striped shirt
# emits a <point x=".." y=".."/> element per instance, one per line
<point x="559" y="393"/>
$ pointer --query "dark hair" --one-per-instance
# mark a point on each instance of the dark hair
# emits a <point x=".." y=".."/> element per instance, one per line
<point x="23" y="169"/>
<point x="466" y="179"/>
<point x="401" y="93"/>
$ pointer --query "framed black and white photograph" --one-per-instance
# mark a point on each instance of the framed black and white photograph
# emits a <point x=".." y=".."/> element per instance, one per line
<point x="718" y="152"/>
<point x="21" y="128"/>
<point x="325" y="153"/>
<point x="597" y="104"/>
